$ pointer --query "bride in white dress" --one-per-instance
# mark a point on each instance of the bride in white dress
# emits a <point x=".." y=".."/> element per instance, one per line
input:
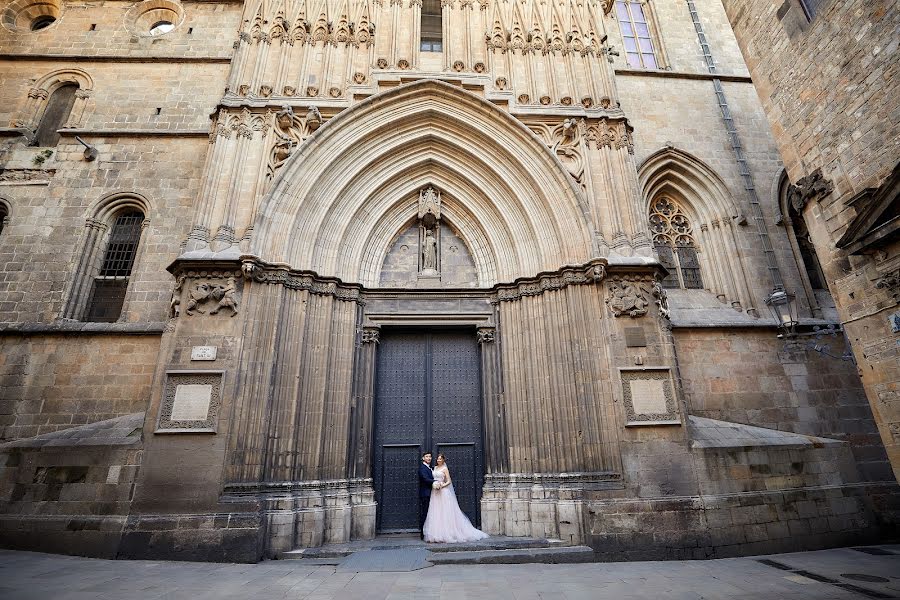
<point x="445" y="521"/>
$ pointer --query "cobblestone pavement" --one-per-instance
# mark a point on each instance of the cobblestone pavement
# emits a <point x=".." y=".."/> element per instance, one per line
<point x="806" y="575"/>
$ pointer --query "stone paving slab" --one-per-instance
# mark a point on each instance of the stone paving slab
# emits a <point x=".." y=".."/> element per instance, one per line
<point x="35" y="576"/>
<point x="385" y="561"/>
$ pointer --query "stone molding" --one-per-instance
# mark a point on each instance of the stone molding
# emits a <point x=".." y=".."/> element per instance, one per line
<point x="598" y="480"/>
<point x="592" y="272"/>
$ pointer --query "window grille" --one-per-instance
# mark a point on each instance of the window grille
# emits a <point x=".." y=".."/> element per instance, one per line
<point x="635" y="26"/>
<point x="111" y="283"/>
<point x="674" y="241"/>
<point x="432" y="30"/>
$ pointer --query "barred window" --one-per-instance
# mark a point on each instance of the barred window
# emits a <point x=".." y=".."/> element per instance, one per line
<point x="635" y="26"/>
<point x="432" y="34"/>
<point x="111" y="283"/>
<point x="59" y="107"/>
<point x="674" y="241"/>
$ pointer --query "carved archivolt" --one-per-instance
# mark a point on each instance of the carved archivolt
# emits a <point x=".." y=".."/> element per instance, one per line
<point x="519" y="212"/>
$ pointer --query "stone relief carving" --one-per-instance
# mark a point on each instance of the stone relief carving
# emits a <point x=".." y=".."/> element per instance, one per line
<point x="175" y="302"/>
<point x="486" y="335"/>
<point x="609" y="133"/>
<point x="290" y="130"/>
<point x="565" y="141"/>
<point x="891" y="283"/>
<point x="628" y="296"/>
<point x="812" y="187"/>
<point x="370" y="335"/>
<point x="224" y="296"/>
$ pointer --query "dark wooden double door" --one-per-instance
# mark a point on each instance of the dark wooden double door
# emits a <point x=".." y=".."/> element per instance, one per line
<point x="427" y="397"/>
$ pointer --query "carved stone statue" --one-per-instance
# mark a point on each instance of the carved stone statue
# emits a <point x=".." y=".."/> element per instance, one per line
<point x="429" y="251"/>
<point x="175" y="303"/>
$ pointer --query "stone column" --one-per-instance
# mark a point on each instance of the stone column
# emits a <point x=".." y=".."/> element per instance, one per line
<point x="496" y="454"/>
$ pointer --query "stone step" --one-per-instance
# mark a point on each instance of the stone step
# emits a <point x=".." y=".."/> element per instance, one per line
<point x="564" y="554"/>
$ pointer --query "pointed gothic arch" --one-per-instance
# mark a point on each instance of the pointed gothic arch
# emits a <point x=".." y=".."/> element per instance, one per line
<point x="336" y="204"/>
<point x="704" y="198"/>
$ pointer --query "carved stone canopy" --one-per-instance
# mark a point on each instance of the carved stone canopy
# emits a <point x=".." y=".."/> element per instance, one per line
<point x="429" y="206"/>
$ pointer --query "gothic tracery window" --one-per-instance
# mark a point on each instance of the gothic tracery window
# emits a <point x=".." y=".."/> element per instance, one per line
<point x="674" y="241"/>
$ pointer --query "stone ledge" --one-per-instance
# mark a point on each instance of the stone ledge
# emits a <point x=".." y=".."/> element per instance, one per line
<point x="65" y="326"/>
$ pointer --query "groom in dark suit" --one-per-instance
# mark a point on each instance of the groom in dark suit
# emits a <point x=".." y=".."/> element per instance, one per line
<point x="426" y="479"/>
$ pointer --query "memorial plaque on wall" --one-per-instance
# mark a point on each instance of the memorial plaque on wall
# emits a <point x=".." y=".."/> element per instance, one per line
<point x="649" y="397"/>
<point x="190" y="402"/>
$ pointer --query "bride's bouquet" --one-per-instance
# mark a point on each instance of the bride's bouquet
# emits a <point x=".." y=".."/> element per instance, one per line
<point x="436" y="485"/>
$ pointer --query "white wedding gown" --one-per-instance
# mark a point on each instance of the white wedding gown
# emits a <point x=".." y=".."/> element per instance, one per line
<point x="445" y="521"/>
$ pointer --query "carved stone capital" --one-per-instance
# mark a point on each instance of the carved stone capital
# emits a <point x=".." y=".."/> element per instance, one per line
<point x="808" y="189"/>
<point x="486" y="335"/>
<point x="370" y="335"/>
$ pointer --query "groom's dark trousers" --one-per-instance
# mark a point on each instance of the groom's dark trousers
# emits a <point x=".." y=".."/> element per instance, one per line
<point x="425" y="481"/>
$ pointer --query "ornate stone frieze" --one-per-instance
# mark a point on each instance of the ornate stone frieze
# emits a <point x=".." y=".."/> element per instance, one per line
<point x="609" y="133"/>
<point x="630" y="295"/>
<point x="808" y="189"/>
<point x="261" y="272"/>
<point x="190" y="402"/>
<point x="593" y="272"/>
<point x="649" y="397"/>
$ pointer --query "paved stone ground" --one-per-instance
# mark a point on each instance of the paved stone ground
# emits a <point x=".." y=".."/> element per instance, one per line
<point x="27" y="575"/>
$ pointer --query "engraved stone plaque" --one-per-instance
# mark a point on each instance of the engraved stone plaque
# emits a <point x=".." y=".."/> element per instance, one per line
<point x="203" y="353"/>
<point x="649" y="397"/>
<point x="190" y="402"/>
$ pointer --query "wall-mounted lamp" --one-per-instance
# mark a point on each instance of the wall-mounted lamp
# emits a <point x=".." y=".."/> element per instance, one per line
<point x="90" y="152"/>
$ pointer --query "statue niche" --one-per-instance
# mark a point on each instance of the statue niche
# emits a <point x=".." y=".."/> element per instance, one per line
<point x="428" y="252"/>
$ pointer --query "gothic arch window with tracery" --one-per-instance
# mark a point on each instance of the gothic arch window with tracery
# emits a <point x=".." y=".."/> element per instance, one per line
<point x="674" y="240"/>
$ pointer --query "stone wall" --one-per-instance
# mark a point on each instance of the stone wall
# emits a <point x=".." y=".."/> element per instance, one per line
<point x="829" y="88"/>
<point x="50" y="382"/>
<point x="749" y="376"/>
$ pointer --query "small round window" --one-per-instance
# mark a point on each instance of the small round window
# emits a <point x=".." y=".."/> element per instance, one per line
<point x="162" y="27"/>
<point x="42" y="22"/>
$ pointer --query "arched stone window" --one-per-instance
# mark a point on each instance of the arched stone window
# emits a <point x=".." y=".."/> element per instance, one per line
<point x="695" y="225"/>
<point x="432" y="36"/>
<point x="56" y="114"/>
<point x="4" y="215"/>
<point x="57" y="100"/>
<point x="812" y="277"/>
<point x="674" y="241"/>
<point x="109" y="253"/>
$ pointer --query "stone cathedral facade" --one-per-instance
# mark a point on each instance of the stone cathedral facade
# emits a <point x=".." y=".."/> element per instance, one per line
<point x="258" y="256"/>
